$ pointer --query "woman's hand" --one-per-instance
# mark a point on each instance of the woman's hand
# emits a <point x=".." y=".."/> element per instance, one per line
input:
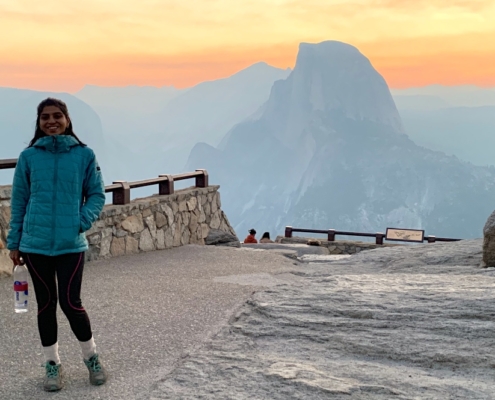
<point x="15" y="256"/>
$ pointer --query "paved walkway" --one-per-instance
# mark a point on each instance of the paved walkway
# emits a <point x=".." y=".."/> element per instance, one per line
<point x="148" y="311"/>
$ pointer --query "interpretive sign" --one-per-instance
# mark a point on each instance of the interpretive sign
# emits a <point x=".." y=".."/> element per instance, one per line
<point x="405" y="235"/>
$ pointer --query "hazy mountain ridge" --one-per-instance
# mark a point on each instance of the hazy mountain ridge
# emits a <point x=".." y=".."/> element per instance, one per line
<point x="457" y="120"/>
<point x="18" y="121"/>
<point x="207" y="111"/>
<point x="146" y="99"/>
<point x="467" y="132"/>
<point x="157" y="127"/>
<point x="329" y="151"/>
<point x="129" y="114"/>
<point x="420" y="102"/>
<point x="455" y="96"/>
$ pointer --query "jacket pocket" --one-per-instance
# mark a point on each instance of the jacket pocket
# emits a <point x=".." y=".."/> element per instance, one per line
<point x="84" y="226"/>
<point x="77" y="224"/>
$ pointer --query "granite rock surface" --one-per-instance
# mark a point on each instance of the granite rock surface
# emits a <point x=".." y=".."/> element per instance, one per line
<point x="405" y="322"/>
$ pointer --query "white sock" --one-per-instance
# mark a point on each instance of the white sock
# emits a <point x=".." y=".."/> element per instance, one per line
<point x="51" y="353"/>
<point x="88" y="348"/>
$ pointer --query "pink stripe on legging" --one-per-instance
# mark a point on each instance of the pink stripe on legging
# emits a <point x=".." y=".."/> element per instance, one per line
<point x="42" y="281"/>
<point x="68" y="287"/>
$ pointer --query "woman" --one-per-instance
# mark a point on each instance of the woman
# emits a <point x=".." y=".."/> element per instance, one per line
<point x="266" y="238"/>
<point x="251" y="238"/>
<point x="57" y="194"/>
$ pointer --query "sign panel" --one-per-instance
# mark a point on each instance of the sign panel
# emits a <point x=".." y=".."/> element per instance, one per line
<point x="405" y="235"/>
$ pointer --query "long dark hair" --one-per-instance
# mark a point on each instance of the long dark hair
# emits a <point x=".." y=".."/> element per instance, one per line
<point x="50" y="101"/>
<point x="266" y="235"/>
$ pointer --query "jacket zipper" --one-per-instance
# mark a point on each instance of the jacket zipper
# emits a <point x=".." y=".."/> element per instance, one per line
<point x="28" y="216"/>
<point x="54" y="195"/>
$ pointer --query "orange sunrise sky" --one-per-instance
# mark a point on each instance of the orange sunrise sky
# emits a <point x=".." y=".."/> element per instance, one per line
<point x="62" y="45"/>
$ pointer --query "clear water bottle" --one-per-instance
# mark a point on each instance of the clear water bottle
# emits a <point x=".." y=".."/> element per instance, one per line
<point x="21" y="288"/>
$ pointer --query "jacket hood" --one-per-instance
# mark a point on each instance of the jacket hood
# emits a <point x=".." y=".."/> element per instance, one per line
<point x="57" y="143"/>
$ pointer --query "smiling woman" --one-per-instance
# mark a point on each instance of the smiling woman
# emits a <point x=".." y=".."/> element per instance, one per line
<point x="57" y="194"/>
<point x="182" y="43"/>
<point x="53" y="119"/>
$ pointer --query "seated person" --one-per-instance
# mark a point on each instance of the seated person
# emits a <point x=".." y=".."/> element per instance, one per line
<point x="266" y="238"/>
<point x="251" y="237"/>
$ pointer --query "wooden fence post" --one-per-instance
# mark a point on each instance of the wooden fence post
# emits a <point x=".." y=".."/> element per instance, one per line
<point x="122" y="195"/>
<point x="166" y="187"/>
<point x="379" y="238"/>
<point x="431" y="238"/>
<point x="288" y="231"/>
<point x="331" y="235"/>
<point x="202" y="180"/>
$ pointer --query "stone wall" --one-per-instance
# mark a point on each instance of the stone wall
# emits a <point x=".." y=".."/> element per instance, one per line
<point x="5" y="263"/>
<point x="338" y="246"/>
<point x="151" y="223"/>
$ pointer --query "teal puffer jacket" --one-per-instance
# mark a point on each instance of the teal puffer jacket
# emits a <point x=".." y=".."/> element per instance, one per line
<point x="57" y="194"/>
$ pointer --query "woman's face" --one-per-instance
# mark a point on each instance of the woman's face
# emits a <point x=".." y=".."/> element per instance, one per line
<point x="53" y="121"/>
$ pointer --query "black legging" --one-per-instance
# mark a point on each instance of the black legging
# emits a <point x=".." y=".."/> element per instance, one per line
<point x="69" y="270"/>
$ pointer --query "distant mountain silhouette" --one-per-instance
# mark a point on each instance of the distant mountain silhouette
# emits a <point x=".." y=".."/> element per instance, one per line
<point x="466" y="132"/>
<point x="129" y="113"/>
<point x="207" y="111"/>
<point x="455" y="96"/>
<point x="18" y="120"/>
<point x="457" y="120"/>
<point x="420" y="102"/>
<point x="156" y="128"/>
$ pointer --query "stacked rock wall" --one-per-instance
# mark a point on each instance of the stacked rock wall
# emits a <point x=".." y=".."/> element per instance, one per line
<point x="151" y="223"/>
<point x="5" y="263"/>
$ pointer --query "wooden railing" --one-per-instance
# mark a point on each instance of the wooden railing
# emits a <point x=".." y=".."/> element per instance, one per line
<point x="9" y="163"/>
<point x="379" y="236"/>
<point x="121" y="190"/>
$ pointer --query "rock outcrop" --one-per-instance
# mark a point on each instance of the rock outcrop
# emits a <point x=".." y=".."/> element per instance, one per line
<point x="5" y="263"/>
<point x="489" y="242"/>
<point x="221" y="238"/>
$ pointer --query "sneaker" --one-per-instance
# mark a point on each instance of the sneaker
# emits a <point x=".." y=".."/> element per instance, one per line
<point x="97" y="372"/>
<point x="53" y="377"/>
